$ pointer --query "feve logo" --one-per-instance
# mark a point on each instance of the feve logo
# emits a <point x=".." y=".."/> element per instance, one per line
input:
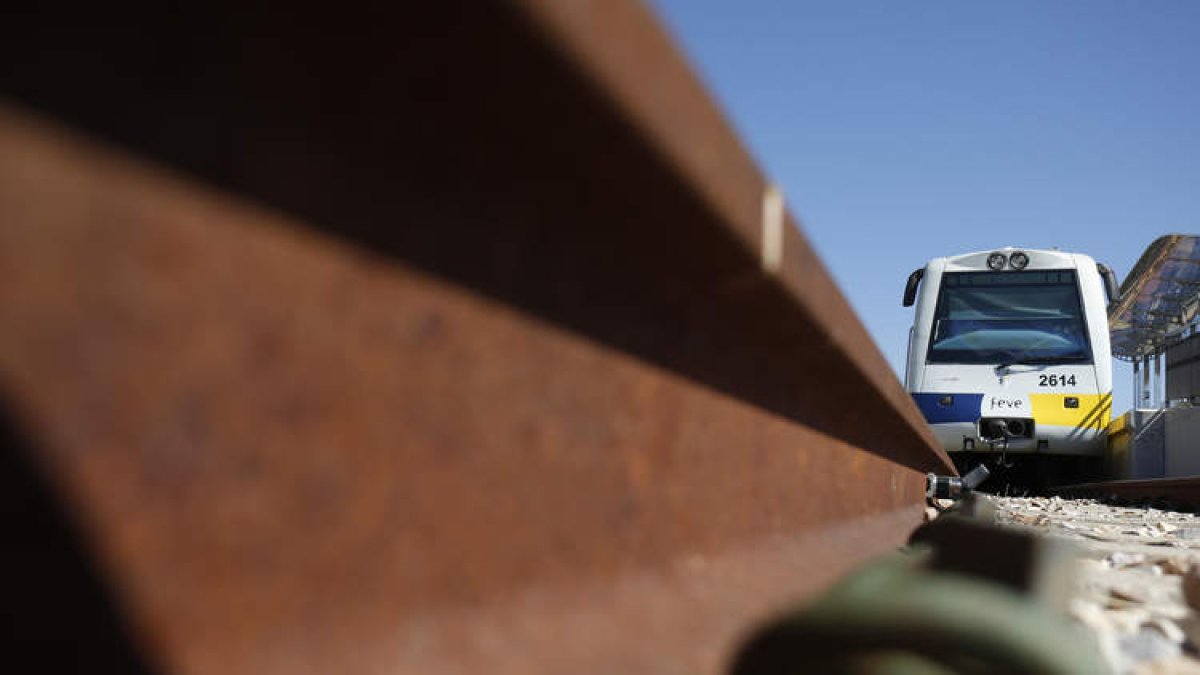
<point x="1000" y="406"/>
<point x="1007" y="404"/>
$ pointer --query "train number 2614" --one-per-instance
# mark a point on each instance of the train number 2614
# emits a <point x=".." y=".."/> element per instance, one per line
<point x="1056" y="380"/>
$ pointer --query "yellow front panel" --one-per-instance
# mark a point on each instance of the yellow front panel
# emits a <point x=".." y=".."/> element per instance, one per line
<point x="1094" y="411"/>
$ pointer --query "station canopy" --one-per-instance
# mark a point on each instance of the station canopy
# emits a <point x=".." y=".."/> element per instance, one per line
<point x="1159" y="298"/>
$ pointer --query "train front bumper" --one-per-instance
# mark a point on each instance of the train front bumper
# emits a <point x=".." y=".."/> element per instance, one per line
<point x="1046" y="439"/>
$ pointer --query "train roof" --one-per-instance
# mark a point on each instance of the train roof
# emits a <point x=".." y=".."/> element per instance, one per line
<point x="1038" y="259"/>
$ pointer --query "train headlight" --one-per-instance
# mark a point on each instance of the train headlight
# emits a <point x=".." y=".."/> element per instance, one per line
<point x="996" y="261"/>
<point x="1018" y="260"/>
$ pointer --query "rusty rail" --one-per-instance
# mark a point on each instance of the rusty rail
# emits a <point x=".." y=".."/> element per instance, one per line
<point x="1174" y="492"/>
<point x="459" y="337"/>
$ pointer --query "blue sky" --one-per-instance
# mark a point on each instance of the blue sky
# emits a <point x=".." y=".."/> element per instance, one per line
<point x="900" y="131"/>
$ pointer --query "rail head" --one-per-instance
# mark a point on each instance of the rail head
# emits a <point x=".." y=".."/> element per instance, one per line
<point x="448" y="336"/>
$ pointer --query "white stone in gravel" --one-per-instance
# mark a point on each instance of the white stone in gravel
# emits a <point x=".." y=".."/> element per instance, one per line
<point x="1168" y="628"/>
<point x="1120" y="559"/>
<point x="1147" y="644"/>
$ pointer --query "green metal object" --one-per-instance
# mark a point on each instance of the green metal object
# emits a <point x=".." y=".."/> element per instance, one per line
<point x="967" y="597"/>
<point x="897" y="617"/>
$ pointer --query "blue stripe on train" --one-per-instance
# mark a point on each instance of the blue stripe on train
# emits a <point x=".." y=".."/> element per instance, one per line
<point x="964" y="408"/>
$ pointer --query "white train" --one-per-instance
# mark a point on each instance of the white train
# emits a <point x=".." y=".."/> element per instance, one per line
<point x="1009" y="352"/>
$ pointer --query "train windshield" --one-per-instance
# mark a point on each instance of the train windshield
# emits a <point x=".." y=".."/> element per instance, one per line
<point x="1009" y="317"/>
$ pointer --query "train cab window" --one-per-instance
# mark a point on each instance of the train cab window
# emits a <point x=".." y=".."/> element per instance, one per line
<point x="1009" y="317"/>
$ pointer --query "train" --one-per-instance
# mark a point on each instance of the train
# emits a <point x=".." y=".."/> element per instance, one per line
<point x="1009" y="355"/>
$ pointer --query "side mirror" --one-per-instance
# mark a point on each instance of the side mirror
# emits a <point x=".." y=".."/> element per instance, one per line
<point x="1110" y="282"/>
<point x="910" y="290"/>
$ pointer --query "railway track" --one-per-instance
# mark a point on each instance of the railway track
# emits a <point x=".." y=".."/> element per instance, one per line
<point x="433" y="337"/>
<point x="1178" y="493"/>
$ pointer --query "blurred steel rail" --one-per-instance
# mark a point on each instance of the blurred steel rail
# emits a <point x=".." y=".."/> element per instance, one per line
<point x="449" y="338"/>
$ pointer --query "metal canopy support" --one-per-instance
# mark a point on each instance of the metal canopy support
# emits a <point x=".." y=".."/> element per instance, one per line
<point x="1137" y="383"/>
<point x="1159" y="385"/>
<point x="1147" y="386"/>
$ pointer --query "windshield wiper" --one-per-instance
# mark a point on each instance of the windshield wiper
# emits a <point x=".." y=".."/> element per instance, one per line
<point x="1035" y="360"/>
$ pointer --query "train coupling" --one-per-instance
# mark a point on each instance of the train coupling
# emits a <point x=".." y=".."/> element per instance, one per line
<point x="1001" y="429"/>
